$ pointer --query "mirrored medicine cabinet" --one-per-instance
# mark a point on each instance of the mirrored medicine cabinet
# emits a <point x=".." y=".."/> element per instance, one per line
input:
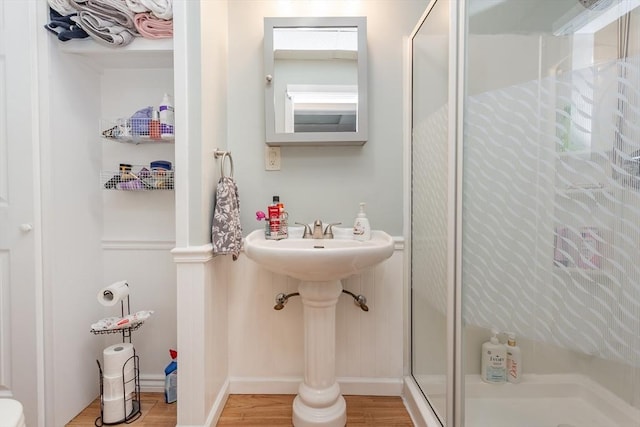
<point x="315" y="80"/>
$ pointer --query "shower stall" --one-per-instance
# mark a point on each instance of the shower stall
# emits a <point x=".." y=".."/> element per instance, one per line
<point x="525" y="209"/>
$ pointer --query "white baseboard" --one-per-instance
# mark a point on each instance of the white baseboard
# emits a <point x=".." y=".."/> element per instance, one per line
<point x="218" y="405"/>
<point x="419" y="410"/>
<point x="216" y="408"/>
<point x="152" y="383"/>
<point x="289" y="385"/>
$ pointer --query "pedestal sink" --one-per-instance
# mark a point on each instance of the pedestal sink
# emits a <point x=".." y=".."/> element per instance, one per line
<point x="319" y="264"/>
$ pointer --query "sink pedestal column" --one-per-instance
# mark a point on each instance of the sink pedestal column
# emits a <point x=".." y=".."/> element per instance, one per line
<point x="319" y="402"/>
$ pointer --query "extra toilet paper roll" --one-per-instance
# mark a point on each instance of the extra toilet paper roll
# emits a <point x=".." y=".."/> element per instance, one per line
<point x="116" y="386"/>
<point x="115" y="356"/>
<point x="116" y="410"/>
<point x="113" y="294"/>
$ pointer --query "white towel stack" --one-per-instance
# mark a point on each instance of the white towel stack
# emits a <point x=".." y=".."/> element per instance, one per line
<point x="117" y="22"/>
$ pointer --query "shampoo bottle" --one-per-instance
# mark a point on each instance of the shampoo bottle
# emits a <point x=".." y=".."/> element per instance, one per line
<point x="273" y="211"/>
<point x="154" y="125"/>
<point x="494" y="360"/>
<point x="514" y="360"/>
<point x="361" y="227"/>
<point x="166" y="117"/>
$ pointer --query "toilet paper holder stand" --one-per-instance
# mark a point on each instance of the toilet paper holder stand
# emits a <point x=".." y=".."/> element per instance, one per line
<point x="136" y="408"/>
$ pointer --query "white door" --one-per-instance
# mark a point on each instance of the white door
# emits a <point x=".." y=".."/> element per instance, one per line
<point x="19" y="295"/>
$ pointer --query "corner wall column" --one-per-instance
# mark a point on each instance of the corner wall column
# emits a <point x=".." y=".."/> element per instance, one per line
<point x="201" y="324"/>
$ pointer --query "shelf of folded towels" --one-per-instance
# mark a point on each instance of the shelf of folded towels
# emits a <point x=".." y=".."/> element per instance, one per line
<point x="99" y="29"/>
<point x="138" y="178"/>
<point x="136" y="131"/>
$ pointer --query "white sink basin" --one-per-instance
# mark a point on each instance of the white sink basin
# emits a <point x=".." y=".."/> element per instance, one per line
<point x="318" y="260"/>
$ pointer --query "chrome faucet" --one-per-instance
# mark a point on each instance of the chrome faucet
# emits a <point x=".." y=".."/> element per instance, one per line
<point x="317" y="229"/>
<point x="317" y="232"/>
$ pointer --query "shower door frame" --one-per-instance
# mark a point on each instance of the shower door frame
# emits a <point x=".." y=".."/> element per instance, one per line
<point x="456" y="92"/>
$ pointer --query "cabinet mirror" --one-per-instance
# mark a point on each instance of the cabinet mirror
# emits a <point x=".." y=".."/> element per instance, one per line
<point x="315" y="81"/>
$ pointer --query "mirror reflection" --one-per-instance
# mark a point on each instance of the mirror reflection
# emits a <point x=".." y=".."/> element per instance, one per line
<point x="316" y="80"/>
<point x="317" y="85"/>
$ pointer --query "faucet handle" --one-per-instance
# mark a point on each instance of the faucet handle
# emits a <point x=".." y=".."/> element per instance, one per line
<point x="307" y="230"/>
<point x="328" y="232"/>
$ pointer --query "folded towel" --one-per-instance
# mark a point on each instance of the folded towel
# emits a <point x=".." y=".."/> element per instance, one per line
<point x="162" y="9"/>
<point x="64" y="27"/>
<point x="110" y="10"/>
<point x="226" y="232"/>
<point x="136" y="6"/>
<point x="151" y="27"/>
<point x="62" y="7"/>
<point x="102" y="30"/>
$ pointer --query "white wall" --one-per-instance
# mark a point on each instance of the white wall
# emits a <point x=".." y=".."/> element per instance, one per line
<point x="324" y="183"/>
<point x="200" y="44"/>
<point x="138" y="229"/>
<point x="72" y="234"/>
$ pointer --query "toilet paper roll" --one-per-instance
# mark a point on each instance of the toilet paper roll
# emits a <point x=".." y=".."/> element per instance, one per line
<point x="114" y="357"/>
<point x="116" y="386"/>
<point x="113" y="294"/>
<point x="116" y="410"/>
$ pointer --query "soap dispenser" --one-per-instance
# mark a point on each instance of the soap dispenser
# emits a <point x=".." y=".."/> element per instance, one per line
<point x="494" y="360"/>
<point x="361" y="227"/>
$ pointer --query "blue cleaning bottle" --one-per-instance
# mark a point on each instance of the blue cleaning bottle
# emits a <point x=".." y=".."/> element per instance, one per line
<point x="171" y="379"/>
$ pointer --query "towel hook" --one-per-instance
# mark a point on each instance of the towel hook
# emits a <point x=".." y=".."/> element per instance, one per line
<point x="224" y="155"/>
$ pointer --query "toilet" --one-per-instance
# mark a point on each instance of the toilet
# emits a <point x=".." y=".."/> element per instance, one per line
<point x="11" y="413"/>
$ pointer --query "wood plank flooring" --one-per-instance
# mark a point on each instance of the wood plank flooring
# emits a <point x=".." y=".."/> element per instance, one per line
<point x="261" y="410"/>
<point x="155" y="413"/>
<point x="275" y="410"/>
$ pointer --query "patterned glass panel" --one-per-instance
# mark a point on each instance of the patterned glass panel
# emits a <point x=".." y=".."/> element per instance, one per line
<point x="551" y="209"/>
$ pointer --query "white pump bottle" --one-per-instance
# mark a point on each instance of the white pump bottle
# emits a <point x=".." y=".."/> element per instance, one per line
<point x="494" y="360"/>
<point x="361" y="226"/>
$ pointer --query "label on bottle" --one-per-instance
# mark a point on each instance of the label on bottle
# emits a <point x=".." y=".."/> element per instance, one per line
<point x="358" y="229"/>
<point x="495" y="367"/>
<point x="274" y="219"/>
<point x="513" y="366"/>
<point x="166" y="119"/>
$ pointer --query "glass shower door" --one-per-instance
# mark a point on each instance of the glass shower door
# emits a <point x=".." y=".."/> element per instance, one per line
<point x="551" y="210"/>
<point x="431" y="221"/>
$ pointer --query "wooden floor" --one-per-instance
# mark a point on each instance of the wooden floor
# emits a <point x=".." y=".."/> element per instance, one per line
<point x="155" y="412"/>
<point x="260" y="410"/>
